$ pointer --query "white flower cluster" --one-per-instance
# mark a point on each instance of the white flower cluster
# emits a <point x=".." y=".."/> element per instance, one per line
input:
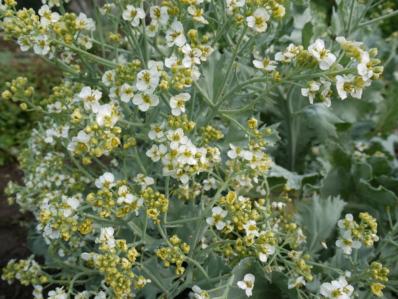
<point x="180" y="158"/>
<point x="337" y="289"/>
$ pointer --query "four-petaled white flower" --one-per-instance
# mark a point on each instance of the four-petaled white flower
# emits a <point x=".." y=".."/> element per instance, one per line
<point x="324" y="57"/>
<point x="175" y="35"/>
<point x="347" y="243"/>
<point x="347" y="223"/>
<point x="58" y="293"/>
<point x="106" y="237"/>
<point x="247" y="284"/>
<point x="251" y="228"/>
<point x="126" y="92"/>
<point x="192" y="56"/>
<point x="337" y="289"/>
<point x="159" y="15"/>
<point x="266" y="64"/>
<point x="147" y="80"/>
<point x="258" y="20"/>
<point x="233" y="4"/>
<point x="133" y="15"/>
<point x="106" y="180"/>
<point x="85" y="23"/>
<point x="155" y="153"/>
<point x="157" y="132"/>
<point x="350" y="85"/>
<point x="144" y="101"/>
<point x="47" y="16"/>
<point x="298" y="282"/>
<point x="176" y="138"/>
<point x="236" y="152"/>
<point x="90" y="97"/>
<point x="198" y="293"/>
<point x="265" y="251"/>
<point x="41" y="45"/>
<point x="197" y="14"/>
<point x="105" y="115"/>
<point x="217" y="217"/>
<point x="311" y="91"/>
<point x="177" y="103"/>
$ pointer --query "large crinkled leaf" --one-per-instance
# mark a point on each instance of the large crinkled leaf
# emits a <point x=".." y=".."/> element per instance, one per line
<point x="378" y="197"/>
<point x="263" y="289"/>
<point x="318" y="218"/>
<point x="293" y="179"/>
<point x="320" y="120"/>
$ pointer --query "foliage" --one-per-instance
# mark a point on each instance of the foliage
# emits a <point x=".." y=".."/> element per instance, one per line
<point x="16" y="123"/>
<point x="210" y="149"/>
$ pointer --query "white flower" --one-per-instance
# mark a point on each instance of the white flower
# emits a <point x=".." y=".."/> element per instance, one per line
<point x="209" y="184"/>
<point x="176" y="138"/>
<point x="82" y="295"/>
<point x="157" y="132"/>
<point x="197" y="14"/>
<point x="144" y="181"/>
<point x="218" y="214"/>
<point x="258" y="21"/>
<point x="152" y="29"/>
<point x="41" y="45"/>
<point x="175" y="35"/>
<point x="144" y="101"/>
<point x="350" y="85"/>
<point x="24" y="43"/>
<point x="363" y="67"/>
<point x="105" y="115"/>
<point x="346" y="243"/>
<point x="311" y="91"/>
<point x="192" y="56"/>
<point x="337" y="289"/>
<point x="171" y="61"/>
<point x="237" y="152"/>
<point x="37" y="292"/>
<point x="186" y="154"/>
<point x="147" y="80"/>
<point x="106" y="180"/>
<point x="84" y="23"/>
<point x="159" y="14"/>
<point x="247" y="284"/>
<point x="90" y="97"/>
<point x="156" y="152"/>
<point x="287" y="56"/>
<point x="47" y="16"/>
<point x="232" y="4"/>
<point x="106" y="237"/>
<point x="126" y="92"/>
<point x="296" y="283"/>
<point x="325" y="58"/>
<point x="100" y="295"/>
<point x="177" y="103"/>
<point x="85" y="41"/>
<point x="198" y="293"/>
<point x="326" y="92"/>
<point x="251" y="228"/>
<point x="58" y="293"/>
<point x="347" y="223"/>
<point x="82" y="138"/>
<point x="133" y="15"/>
<point x="265" y="251"/>
<point x="265" y="64"/>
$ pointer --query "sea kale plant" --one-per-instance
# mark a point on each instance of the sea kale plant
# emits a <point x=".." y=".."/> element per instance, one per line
<point x="201" y="149"/>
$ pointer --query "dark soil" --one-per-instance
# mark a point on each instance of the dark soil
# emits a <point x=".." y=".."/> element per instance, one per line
<point x="12" y="234"/>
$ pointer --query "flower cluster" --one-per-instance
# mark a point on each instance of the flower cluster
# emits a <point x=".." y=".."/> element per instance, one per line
<point x="353" y="235"/>
<point x="154" y="157"/>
